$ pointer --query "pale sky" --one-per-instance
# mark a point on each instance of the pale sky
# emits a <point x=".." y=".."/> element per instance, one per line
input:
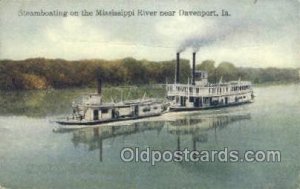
<point x="261" y="34"/>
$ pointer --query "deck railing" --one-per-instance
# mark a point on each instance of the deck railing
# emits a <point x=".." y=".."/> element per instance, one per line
<point x="189" y="90"/>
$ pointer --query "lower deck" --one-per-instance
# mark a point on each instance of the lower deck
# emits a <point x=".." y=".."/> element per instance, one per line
<point x="183" y="108"/>
<point x="205" y="102"/>
<point x="95" y="122"/>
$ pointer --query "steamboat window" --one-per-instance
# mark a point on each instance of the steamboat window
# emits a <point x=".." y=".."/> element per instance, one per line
<point x="146" y="109"/>
<point x="104" y="111"/>
<point x="197" y="90"/>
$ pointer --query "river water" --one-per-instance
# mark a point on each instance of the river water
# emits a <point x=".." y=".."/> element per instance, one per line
<point x="32" y="155"/>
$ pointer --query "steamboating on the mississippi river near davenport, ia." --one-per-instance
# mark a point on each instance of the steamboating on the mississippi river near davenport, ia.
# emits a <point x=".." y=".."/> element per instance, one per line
<point x="197" y="94"/>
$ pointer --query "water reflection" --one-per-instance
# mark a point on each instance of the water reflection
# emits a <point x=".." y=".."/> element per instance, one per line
<point x="196" y="127"/>
<point x="93" y="137"/>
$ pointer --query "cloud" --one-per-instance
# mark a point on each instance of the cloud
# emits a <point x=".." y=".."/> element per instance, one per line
<point x="262" y="34"/>
<point x="72" y="38"/>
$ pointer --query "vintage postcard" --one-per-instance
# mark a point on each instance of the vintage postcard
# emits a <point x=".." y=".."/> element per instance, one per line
<point x="149" y="94"/>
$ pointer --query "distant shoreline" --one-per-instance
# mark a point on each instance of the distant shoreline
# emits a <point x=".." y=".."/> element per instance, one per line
<point x="44" y="74"/>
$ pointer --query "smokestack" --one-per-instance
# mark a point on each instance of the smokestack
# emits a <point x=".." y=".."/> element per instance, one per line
<point x="177" y="67"/>
<point x="194" y="68"/>
<point x="99" y="86"/>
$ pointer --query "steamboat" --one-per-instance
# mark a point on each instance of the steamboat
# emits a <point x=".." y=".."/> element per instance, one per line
<point x="195" y="95"/>
<point x="200" y="94"/>
<point x="91" y="110"/>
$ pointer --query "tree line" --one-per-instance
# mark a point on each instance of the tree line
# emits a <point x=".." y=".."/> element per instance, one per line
<point x="41" y="73"/>
<point x="229" y="71"/>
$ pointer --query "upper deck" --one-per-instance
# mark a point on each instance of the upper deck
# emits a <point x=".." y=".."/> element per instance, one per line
<point x="230" y="88"/>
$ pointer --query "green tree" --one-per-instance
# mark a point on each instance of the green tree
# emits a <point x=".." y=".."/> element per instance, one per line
<point x="228" y="71"/>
